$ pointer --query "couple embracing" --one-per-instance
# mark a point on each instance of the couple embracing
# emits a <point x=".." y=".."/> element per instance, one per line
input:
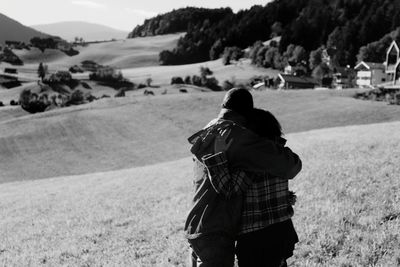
<point x="242" y="204"/>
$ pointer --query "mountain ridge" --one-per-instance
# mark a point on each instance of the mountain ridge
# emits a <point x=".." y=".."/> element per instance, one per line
<point x="12" y="30"/>
<point x="87" y="30"/>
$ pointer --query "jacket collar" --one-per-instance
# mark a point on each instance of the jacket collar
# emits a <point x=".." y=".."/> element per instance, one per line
<point x="228" y="114"/>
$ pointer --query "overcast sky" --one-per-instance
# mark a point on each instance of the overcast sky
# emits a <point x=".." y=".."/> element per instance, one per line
<point x="118" y="14"/>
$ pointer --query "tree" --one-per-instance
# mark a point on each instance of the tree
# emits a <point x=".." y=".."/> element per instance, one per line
<point x="276" y="29"/>
<point x="321" y="71"/>
<point x="42" y="71"/>
<point x="299" y="55"/>
<point x="254" y="51"/>
<point x="315" y="58"/>
<point x="149" y="81"/>
<point x="44" y="43"/>
<point x="205" y="71"/>
<point x="270" y="55"/>
<point x="216" y="50"/>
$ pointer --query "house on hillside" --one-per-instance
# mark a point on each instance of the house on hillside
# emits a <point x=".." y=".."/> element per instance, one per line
<point x="370" y="74"/>
<point x="392" y="63"/>
<point x="287" y="81"/>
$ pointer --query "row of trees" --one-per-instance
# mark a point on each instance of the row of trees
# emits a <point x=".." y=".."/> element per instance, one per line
<point x="204" y="80"/>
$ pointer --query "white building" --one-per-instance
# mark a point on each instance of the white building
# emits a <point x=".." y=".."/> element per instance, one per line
<point x="393" y="63"/>
<point x="370" y="74"/>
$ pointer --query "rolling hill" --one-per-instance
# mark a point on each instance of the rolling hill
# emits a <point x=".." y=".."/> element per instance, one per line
<point x="137" y="52"/>
<point x="113" y="134"/>
<point x="68" y="30"/>
<point x="347" y="206"/>
<point x="12" y="30"/>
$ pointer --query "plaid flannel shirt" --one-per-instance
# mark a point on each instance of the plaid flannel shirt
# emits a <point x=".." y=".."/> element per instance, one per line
<point x="266" y="199"/>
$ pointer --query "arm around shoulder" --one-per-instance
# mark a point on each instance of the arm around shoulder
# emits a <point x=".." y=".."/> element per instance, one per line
<point x="253" y="153"/>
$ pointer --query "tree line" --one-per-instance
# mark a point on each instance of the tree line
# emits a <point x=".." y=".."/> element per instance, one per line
<point x="341" y="26"/>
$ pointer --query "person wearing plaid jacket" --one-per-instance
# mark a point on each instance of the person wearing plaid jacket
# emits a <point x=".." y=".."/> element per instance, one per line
<point x="266" y="236"/>
<point x="212" y="223"/>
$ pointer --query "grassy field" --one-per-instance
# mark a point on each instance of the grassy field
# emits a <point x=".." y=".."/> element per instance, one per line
<point x="138" y="60"/>
<point x="347" y="213"/>
<point x="136" y="52"/>
<point x="112" y="134"/>
<point x="240" y="72"/>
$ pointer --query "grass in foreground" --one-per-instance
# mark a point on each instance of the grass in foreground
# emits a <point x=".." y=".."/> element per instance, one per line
<point x="347" y="212"/>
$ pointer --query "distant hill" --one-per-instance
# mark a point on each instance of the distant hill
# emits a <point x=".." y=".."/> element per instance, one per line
<point x="12" y="30"/>
<point x="137" y="52"/>
<point x="88" y="31"/>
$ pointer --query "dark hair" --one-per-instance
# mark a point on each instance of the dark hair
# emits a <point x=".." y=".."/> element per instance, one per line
<point x="264" y="124"/>
<point x="239" y="100"/>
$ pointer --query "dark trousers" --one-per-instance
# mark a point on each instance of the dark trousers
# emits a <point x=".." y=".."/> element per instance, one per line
<point x="213" y="251"/>
<point x="269" y="247"/>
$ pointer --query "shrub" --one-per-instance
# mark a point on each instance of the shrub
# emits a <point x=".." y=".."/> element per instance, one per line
<point x="31" y="103"/>
<point x="232" y="53"/>
<point x="111" y="77"/>
<point x="1" y="104"/>
<point x="227" y="85"/>
<point x="59" y="77"/>
<point x="76" y="98"/>
<point x="86" y="85"/>
<point x="188" y="80"/>
<point x="89" y="97"/>
<point x="196" y="80"/>
<point x="120" y="93"/>
<point x="176" y="80"/>
<point x="71" y="52"/>
<point x="13" y="103"/>
<point x="149" y="81"/>
<point x="212" y="83"/>
<point x="205" y="71"/>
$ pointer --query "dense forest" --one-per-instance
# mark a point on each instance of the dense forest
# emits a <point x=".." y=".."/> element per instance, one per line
<point x="349" y="29"/>
<point x="178" y="21"/>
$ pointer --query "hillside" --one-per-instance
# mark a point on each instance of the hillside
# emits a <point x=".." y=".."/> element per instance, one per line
<point x="178" y="21"/>
<point x="346" y="212"/>
<point x="137" y="52"/>
<point x="12" y="30"/>
<point x="68" y="30"/>
<point x="112" y="134"/>
<point x="342" y="26"/>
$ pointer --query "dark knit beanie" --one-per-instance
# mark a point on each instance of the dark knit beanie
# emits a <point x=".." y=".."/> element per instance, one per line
<point x="239" y="100"/>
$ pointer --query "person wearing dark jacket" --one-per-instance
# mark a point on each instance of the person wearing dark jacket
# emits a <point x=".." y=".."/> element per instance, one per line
<point x="212" y="223"/>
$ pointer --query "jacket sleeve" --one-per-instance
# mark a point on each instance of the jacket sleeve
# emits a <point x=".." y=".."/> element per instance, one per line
<point x="222" y="180"/>
<point x="250" y="152"/>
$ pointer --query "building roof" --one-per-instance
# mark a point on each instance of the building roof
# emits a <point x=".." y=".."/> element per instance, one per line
<point x="275" y="39"/>
<point x="297" y="79"/>
<point x="393" y="45"/>
<point x="369" y="65"/>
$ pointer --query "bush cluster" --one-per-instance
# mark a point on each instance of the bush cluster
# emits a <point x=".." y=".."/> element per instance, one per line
<point x="204" y="80"/>
<point x="111" y="77"/>
<point x="380" y="94"/>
